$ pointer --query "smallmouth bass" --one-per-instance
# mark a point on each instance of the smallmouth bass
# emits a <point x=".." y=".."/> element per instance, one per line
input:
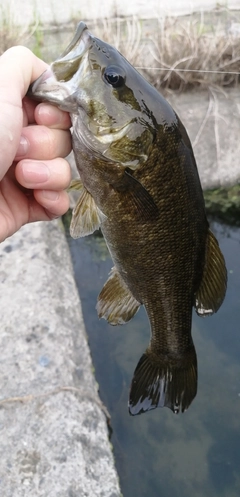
<point x="139" y="184"/>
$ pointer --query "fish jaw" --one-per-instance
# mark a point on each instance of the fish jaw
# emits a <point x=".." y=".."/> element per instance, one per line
<point x="76" y="82"/>
<point x="60" y="82"/>
<point x="48" y="89"/>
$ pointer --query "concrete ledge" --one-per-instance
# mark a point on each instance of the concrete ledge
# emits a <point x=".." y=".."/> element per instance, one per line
<point x="54" y="437"/>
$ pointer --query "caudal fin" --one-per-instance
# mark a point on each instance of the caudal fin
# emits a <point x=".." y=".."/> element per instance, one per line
<point x="161" y="381"/>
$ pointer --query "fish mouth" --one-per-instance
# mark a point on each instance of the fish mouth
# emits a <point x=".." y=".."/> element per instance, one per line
<point x="75" y="42"/>
<point x="61" y="80"/>
<point x="65" y="66"/>
<point x="65" y="84"/>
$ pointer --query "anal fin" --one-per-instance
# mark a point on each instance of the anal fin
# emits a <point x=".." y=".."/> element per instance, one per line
<point x="115" y="302"/>
<point x="211" y="292"/>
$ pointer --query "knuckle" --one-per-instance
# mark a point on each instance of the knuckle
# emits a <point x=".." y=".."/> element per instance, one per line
<point x="51" y="142"/>
<point x="59" y="143"/>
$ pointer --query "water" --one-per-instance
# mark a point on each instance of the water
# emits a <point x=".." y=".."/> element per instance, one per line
<point x="159" y="454"/>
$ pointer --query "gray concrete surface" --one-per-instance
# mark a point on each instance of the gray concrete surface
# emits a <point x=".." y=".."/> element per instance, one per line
<point x="212" y="119"/>
<point x="54" y="438"/>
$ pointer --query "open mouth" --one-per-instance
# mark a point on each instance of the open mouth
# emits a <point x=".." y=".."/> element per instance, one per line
<point x="76" y="43"/>
<point x="59" y="81"/>
<point x="65" y="66"/>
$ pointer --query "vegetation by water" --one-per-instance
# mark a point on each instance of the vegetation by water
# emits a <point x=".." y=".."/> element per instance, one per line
<point x="224" y="203"/>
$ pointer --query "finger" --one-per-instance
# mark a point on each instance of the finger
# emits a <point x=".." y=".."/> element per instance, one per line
<point x="29" y="107"/>
<point x="54" y="204"/>
<point x="41" y="142"/>
<point x="48" y="175"/>
<point x="18" y="68"/>
<point x="51" y="116"/>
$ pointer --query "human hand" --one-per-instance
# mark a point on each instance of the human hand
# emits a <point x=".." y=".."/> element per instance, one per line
<point x="34" y="139"/>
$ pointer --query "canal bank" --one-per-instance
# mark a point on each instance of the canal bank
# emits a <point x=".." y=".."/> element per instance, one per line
<point x="54" y="434"/>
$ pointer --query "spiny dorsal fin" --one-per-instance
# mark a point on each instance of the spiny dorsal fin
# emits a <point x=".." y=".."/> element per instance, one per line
<point x="164" y="381"/>
<point x="211" y="292"/>
<point x="85" y="215"/>
<point x="115" y="302"/>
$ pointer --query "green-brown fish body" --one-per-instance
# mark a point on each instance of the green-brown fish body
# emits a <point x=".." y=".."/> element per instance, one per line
<point x="140" y="184"/>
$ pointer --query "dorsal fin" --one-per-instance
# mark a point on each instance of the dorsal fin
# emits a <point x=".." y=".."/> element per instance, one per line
<point x="211" y="292"/>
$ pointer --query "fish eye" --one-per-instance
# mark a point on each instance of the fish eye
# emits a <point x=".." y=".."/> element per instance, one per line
<point x="114" y="76"/>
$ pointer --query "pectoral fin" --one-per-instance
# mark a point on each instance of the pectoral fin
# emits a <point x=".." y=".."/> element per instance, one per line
<point x="76" y="185"/>
<point x="115" y="302"/>
<point x="211" y="292"/>
<point x="136" y="194"/>
<point x="85" y="215"/>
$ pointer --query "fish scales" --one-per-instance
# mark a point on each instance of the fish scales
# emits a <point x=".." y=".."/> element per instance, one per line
<point x="139" y="183"/>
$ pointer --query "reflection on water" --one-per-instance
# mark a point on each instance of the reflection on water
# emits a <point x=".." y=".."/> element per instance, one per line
<point x="158" y="454"/>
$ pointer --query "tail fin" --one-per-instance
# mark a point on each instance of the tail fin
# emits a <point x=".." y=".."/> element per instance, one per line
<point x="161" y="381"/>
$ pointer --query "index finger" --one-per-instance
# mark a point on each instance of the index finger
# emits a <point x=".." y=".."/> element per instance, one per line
<point x="49" y="115"/>
<point x="19" y="67"/>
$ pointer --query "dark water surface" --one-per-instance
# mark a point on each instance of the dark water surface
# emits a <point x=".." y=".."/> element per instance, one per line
<point x="159" y="454"/>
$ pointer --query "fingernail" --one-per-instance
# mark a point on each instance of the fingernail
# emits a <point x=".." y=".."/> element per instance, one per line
<point x="50" y="194"/>
<point x="49" y="113"/>
<point x="22" y="147"/>
<point x="35" y="172"/>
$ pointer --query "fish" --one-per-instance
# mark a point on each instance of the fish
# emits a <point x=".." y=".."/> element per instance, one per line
<point x="140" y="185"/>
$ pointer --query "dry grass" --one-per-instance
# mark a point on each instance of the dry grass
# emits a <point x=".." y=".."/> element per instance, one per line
<point x="11" y="34"/>
<point x="187" y="56"/>
<point x="172" y="53"/>
<point x="177" y="53"/>
<point x="124" y="34"/>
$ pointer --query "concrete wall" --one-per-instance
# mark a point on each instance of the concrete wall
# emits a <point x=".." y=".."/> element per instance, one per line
<point x="53" y="11"/>
<point x="54" y="437"/>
